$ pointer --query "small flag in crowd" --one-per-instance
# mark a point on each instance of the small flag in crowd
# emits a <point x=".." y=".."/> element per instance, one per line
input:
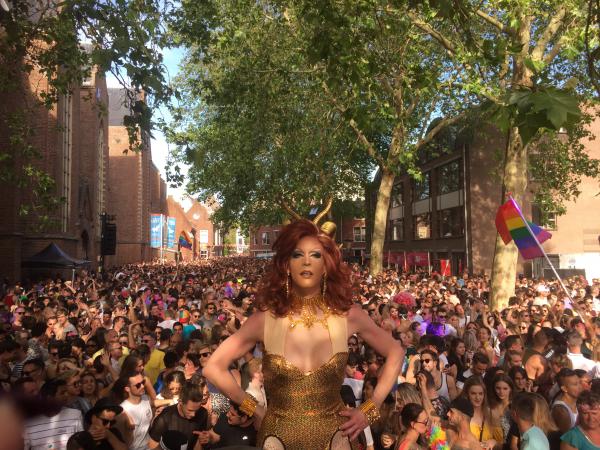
<point x="184" y="240"/>
<point x="511" y="226"/>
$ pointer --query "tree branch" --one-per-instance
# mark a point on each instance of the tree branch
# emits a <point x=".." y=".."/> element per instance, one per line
<point x="449" y="46"/>
<point x="439" y="127"/>
<point x="551" y="29"/>
<point x="412" y="105"/>
<point x="493" y="21"/>
<point x="359" y="133"/>
<point x="553" y="52"/>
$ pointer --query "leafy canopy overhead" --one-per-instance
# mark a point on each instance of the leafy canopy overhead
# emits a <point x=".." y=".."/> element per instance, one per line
<point x="252" y="123"/>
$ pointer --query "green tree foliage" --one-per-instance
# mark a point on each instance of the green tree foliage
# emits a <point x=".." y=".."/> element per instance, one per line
<point x="527" y="60"/>
<point x="252" y="121"/>
<point x="290" y="81"/>
<point x="124" y="37"/>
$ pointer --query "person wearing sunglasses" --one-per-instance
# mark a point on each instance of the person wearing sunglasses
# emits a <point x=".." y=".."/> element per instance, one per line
<point x="18" y="315"/>
<point x="196" y="317"/>
<point x="100" y="424"/>
<point x="138" y="409"/>
<point x="74" y="399"/>
<point x="414" y="420"/>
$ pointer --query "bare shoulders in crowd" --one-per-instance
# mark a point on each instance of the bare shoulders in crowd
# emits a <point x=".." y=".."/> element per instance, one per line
<point x="115" y="360"/>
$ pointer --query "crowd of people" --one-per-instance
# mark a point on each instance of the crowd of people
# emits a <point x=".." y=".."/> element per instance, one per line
<point x="115" y="360"/>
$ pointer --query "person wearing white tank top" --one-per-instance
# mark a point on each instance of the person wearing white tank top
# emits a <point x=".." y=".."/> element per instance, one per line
<point x="564" y="408"/>
<point x="445" y="384"/>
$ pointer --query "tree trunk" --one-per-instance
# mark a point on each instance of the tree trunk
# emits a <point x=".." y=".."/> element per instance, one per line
<point x="380" y="220"/>
<point x="504" y="269"/>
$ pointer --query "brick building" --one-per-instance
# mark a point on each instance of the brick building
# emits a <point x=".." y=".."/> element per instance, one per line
<point x="136" y="189"/>
<point x="194" y="217"/>
<point x="71" y="139"/>
<point x="447" y="218"/>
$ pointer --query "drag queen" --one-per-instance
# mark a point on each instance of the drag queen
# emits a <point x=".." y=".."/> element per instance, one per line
<point x="306" y="316"/>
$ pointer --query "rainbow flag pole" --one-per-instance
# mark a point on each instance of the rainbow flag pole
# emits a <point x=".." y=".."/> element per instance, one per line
<point x="534" y="235"/>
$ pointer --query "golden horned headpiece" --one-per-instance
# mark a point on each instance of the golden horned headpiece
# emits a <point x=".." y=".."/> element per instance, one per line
<point x="329" y="228"/>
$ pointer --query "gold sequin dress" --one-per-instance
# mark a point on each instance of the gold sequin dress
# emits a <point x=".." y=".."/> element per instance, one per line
<point x="303" y="407"/>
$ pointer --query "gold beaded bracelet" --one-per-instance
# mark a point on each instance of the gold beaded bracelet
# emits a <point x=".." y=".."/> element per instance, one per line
<point x="371" y="411"/>
<point x="248" y="406"/>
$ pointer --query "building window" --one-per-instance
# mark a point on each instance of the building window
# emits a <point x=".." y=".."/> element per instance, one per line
<point x="450" y="177"/>
<point x="275" y="234"/>
<point x="203" y="254"/>
<point x="549" y="220"/>
<point x="422" y="189"/>
<point x="422" y="226"/>
<point x="397" y="229"/>
<point x="397" y="195"/>
<point x="266" y="239"/>
<point x="451" y="222"/>
<point x="360" y="234"/>
<point x="546" y="219"/>
<point x="255" y="239"/>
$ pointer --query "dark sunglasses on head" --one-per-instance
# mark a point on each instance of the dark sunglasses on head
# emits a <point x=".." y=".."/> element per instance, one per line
<point x="108" y="422"/>
<point x="145" y="341"/>
<point x="54" y="353"/>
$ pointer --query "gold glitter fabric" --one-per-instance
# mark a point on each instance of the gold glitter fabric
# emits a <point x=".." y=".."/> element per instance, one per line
<point x="303" y="407"/>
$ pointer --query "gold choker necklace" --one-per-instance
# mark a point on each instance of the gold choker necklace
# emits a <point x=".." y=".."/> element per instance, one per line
<point x="309" y="308"/>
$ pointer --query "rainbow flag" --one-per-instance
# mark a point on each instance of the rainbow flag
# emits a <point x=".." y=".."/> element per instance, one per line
<point x="511" y="226"/>
<point x="184" y="240"/>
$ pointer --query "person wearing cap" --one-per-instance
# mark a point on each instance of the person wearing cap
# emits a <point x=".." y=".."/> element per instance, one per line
<point x="233" y="428"/>
<point x="459" y="416"/>
<point x="99" y="423"/>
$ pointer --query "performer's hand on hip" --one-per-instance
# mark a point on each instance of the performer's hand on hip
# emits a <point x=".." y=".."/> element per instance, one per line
<point x="258" y="416"/>
<point x="357" y="422"/>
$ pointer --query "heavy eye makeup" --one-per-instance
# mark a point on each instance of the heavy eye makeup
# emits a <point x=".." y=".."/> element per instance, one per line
<point x="300" y="254"/>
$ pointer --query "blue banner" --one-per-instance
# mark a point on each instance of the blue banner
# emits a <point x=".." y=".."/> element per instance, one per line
<point x="171" y="232"/>
<point x="156" y="230"/>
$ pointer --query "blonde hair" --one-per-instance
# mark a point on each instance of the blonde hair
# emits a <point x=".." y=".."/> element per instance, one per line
<point x="67" y="375"/>
<point x="471" y="342"/>
<point x="254" y="365"/>
<point x="408" y="393"/>
<point x="541" y="414"/>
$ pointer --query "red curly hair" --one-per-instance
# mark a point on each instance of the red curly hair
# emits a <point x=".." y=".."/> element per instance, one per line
<point x="271" y="295"/>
